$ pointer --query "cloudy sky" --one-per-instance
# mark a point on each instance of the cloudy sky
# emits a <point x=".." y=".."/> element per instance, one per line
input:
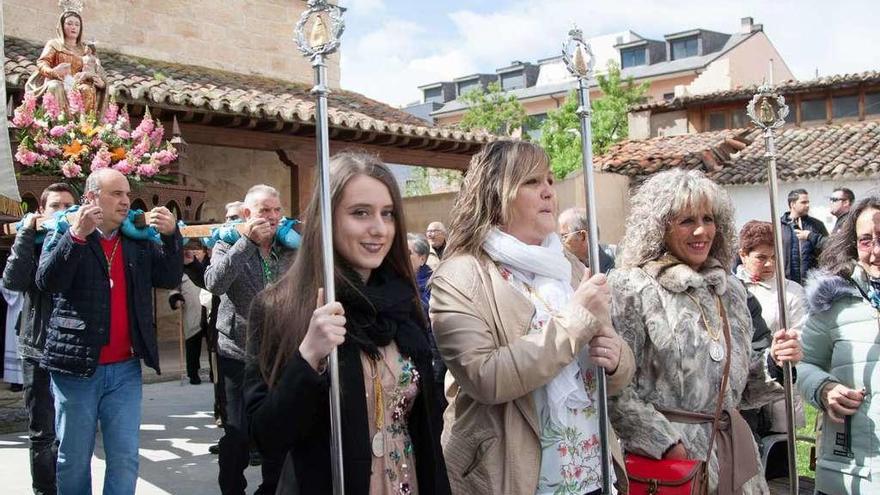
<point x="392" y="46"/>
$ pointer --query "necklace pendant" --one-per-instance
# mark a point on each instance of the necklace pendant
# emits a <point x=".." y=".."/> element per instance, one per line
<point x="716" y="351"/>
<point x="111" y="283"/>
<point x="378" y="444"/>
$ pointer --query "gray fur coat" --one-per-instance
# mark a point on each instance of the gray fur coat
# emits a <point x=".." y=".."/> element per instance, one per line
<point x="664" y="326"/>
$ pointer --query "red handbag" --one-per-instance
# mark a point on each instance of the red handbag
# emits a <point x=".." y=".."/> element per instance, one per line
<point x="649" y="476"/>
<point x="666" y="476"/>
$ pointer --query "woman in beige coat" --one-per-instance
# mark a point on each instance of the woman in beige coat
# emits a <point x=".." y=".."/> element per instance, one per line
<point x="522" y="330"/>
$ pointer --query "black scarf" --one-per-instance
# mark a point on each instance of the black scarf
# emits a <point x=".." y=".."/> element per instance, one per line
<point x="380" y="311"/>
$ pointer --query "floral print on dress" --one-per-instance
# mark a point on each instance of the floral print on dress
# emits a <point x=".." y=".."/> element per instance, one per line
<point x="570" y="462"/>
<point x="397" y="466"/>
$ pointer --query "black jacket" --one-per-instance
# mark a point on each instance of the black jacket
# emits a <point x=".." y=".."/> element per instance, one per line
<point x="809" y="249"/>
<point x="293" y="418"/>
<point x="839" y="222"/>
<point x="20" y="275"/>
<point x="80" y="323"/>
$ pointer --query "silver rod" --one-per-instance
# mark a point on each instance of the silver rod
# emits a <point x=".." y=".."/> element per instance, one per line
<point x="320" y="90"/>
<point x="584" y="112"/>
<point x="781" y="308"/>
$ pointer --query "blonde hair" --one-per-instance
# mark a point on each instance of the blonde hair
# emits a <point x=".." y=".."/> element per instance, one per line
<point x="662" y="198"/>
<point x="490" y="185"/>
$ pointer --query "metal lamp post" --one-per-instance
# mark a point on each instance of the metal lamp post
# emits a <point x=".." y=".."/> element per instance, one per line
<point x="325" y="28"/>
<point x="767" y="110"/>
<point x="578" y="60"/>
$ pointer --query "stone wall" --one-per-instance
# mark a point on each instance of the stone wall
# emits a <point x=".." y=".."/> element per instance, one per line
<point x="612" y="204"/>
<point x="244" y="36"/>
<point x="227" y="173"/>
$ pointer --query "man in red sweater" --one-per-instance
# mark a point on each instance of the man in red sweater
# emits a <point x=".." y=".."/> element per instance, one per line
<point x="100" y="327"/>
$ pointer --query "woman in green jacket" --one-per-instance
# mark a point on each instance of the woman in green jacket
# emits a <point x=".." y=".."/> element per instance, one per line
<point x="841" y="361"/>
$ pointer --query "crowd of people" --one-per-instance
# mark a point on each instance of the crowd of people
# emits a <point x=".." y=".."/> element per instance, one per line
<point x="468" y="356"/>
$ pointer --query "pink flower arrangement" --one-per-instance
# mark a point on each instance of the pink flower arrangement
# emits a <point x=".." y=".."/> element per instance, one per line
<point x="74" y="101"/>
<point x="26" y="157"/>
<point x="48" y="148"/>
<point x="70" y="143"/>
<point x="140" y="149"/>
<point x="51" y="106"/>
<point x="24" y="115"/>
<point x="58" y="131"/>
<point x="111" y="114"/>
<point x="143" y="129"/>
<point x="147" y="170"/>
<point x="102" y="159"/>
<point x="156" y="135"/>
<point x="71" y="169"/>
<point x="124" y="166"/>
<point x="165" y="156"/>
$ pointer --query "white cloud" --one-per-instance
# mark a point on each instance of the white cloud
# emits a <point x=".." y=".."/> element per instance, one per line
<point x="389" y="62"/>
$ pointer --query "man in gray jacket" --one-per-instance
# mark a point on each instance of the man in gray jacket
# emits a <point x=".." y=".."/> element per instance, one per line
<point x="237" y="273"/>
<point x="20" y="275"/>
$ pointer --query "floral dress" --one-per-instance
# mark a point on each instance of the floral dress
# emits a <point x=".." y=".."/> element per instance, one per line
<point x="570" y="459"/>
<point x="394" y="473"/>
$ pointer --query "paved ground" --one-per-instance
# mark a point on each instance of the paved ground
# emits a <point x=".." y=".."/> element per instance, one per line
<point x="178" y="427"/>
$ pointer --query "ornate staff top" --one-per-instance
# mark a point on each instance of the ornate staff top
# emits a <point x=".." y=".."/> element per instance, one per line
<point x="322" y="39"/>
<point x="577" y="55"/>
<point x="767" y="109"/>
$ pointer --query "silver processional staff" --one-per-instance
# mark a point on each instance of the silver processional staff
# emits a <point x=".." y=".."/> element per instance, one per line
<point x="325" y="25"/>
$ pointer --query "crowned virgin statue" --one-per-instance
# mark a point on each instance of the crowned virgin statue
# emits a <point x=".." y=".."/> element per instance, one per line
<point x="67" y="64"/>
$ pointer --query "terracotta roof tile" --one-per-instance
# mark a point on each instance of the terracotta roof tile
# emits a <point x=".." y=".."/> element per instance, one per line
<point x="736" y="156"/>
<point x="788" y="87"/>
<point x="197" y="88"/>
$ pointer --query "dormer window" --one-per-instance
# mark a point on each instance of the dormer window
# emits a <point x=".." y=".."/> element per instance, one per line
<point x="513" y="80"/>
<point x="632" y="57"/>
<point x="468" y="85"/>
<point x="434" y="94"/>
<point x="684" y="47"/>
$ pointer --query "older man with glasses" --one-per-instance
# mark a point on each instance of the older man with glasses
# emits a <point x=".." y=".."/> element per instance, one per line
<point x="436" y="235"/>
<point x="841" y="200"/>
<point x="573" y="231"/>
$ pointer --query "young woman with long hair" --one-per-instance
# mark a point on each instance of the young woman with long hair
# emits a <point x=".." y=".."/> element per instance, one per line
<point x="389" y="443"/>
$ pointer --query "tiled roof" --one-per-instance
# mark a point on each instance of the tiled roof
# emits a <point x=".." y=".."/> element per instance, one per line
<point x="729" y="157"/>
<point x="209" y="91"/>
<point x="788" y="87"/>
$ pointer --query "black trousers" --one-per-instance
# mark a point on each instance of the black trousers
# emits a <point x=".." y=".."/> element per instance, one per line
<point x="194" y="354"/>
<point x="235" y="444"/>
<point x="41" y="426"/>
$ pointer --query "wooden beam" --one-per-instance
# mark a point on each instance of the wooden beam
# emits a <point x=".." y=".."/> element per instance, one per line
<point x="244" y="139"/>
<point x="294" y="181"/>
<point x="195" y="231"/>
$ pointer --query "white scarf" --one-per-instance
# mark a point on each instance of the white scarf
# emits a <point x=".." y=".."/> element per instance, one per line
<point x="546" y="269"/>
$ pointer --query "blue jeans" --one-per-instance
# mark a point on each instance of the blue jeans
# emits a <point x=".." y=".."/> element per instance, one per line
<point x="112" y="396"/>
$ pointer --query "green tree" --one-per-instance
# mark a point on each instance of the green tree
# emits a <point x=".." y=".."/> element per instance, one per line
<point x="418" y="183"/>
<point x="422" y="179"/>
<point x="493" y="110"/>
<point x="561" y="131"/>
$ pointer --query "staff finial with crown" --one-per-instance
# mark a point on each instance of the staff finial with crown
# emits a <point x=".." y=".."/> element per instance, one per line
<point x="75" y="6"/>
